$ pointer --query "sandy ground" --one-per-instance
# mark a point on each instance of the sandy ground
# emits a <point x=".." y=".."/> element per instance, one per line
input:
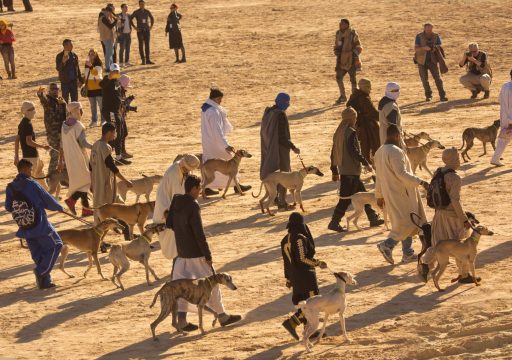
<point x="253" y="49"/>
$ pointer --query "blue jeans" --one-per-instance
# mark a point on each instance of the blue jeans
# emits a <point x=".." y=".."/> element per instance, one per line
<point x="406" y="245"/>
<point x="125" y="41"/>
<point x="95" y="103"/>
<point x="109" y="52"/>
<point x="45" y="250"/>
<point x="70" y="89"/>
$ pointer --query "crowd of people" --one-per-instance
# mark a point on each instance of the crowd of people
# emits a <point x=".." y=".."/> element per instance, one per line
<point x="368" y="139"/>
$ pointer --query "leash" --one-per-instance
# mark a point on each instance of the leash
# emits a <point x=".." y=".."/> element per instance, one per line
<point x="302" y="162"/>
<point x="77" y="218"/>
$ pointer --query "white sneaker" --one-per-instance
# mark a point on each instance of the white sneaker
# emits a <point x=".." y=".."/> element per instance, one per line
<point x="497" y="163"/>
<point x="103" y="123"/>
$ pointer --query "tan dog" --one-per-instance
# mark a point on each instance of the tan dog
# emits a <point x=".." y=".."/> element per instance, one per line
<point x="359" y="200"/>
<point x="485" y="135"/>
<point x="293" y="181"/>
<point x="194" y="291"/>
<point x="140" y="187"/>
<point x="87" y="240"/>
<point x="226" y="167"/>
<point x="413" y="140"/>
<point x="418" y="155"/>
<point x="137" y="213"/>
<point x="54" y="182"/>
<point x="464" y="252"/>
<point x="138" y="249"/>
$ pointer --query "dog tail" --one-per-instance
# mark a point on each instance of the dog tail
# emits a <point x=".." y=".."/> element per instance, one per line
<point x="429" y="255"/>
<point x="257" y="196"/>
<point x="156" y="295"/>
<point x="463" y="141"/>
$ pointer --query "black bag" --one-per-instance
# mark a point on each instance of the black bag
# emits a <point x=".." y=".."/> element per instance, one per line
<point x="23" y="213"/>
<point x="437" y="196"/>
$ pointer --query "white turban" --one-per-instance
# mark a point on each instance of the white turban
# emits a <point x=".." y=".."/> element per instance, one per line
<point x="392" y="90"/>
<point x="190" y="162"/>
<point x="74" y="109"/>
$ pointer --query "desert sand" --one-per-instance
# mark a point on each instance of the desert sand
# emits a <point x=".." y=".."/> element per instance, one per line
<point x="252" y="50"/>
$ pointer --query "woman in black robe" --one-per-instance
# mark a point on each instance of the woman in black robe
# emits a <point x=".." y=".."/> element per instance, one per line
<point x="173" y="28"/>
<point x="298" y="250"/>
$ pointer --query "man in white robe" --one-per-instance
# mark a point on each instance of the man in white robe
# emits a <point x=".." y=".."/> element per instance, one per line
<point x="214" y="128"/>
<point x="505" y="135"/>
<point x="172" y="183"/>
<point x="397" y="189"/>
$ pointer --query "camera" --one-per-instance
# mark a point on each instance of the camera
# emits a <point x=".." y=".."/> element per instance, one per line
<point x="127" y="104"/>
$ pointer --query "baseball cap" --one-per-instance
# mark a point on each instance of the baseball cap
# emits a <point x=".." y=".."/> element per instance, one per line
<point x="115" y="67"/>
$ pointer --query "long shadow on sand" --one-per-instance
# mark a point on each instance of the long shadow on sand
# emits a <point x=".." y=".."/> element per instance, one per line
<point x="484" y="175"/>
<point x="446" y="106"/>
<point x="309" y="113"/>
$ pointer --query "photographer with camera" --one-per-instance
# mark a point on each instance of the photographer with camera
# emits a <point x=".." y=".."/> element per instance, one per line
<point x="126" y="107"/>
<point x="479" y="75"/>
<point x="426" y="56"/>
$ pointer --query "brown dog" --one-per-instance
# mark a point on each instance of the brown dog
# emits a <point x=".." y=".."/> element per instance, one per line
<point x="137" y="213"/>
<point x="485" y="135"/>
<point x="87" y="240"/>
<point x="194" y="291"/>
<point x="138" y="249"/>
<point x="226" y="167"/>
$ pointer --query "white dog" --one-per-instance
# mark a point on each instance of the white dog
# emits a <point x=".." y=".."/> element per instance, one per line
<point x="331" y="303"/>
<point x="140" y="187"/>
<point x="359" y="200"/>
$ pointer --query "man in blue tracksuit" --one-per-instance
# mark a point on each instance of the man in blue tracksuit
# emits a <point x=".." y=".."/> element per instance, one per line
<point x="42" y="239"/>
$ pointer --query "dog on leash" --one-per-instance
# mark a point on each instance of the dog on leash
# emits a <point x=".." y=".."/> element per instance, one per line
<point x="464" y="252"/>
<point x="139" y="249"/>
<point x="413" y="140"/>
<point x="137" y="213"/>
<point x="196" y="292"/>
<point x="359" y="200"/>
<point x="485" y="135"/>
<point x="293" y="181"/>
<point x="87" y="240"/>
<point x="331" y="303"/>
<point x="226" y="167"/>
<point x="418" y="155"/>
<point x="142" y="186"/>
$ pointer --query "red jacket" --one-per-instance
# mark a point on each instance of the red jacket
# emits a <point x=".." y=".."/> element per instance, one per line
<point x="7" y="38"/>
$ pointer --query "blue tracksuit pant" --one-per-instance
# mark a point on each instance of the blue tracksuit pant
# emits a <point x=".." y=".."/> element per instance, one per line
<point x="45" y="250"/>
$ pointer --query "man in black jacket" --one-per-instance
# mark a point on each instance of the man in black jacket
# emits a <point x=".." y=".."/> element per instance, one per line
<point x="112" y="99"/>
<point x="69" y="71"/>
<point x="194" y="258"/>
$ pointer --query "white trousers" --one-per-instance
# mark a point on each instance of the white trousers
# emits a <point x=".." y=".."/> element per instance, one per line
<point x="196" y="268"/>
<point x="503" y="139"/>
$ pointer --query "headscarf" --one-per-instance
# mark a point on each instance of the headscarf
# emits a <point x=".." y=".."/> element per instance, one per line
<point x="25" y="106"/>
<point x="451" y="158"/>
<point x="296" y="226"/>
<point x="73" y="109"/>
<point x="190" y="162"/>
<point x="5" y="24"/>
<point x="365" y="86"/>
<point x="348" y="119"/>
<point x="283" y="101"/>
<point x="390" y="86"/>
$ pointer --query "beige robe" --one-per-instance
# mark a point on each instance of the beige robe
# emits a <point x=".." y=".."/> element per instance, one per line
<point x="76" y="158"/>
<point x="103" y="179"/>
<point x="172" y="183"/>
<point x="398" y="186"/>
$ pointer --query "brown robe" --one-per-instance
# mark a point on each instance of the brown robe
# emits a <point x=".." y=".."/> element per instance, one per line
<point x="102" y="178"/>
<point x="367" y="124"/>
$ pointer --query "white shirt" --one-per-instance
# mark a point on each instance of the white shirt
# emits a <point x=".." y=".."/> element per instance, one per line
<point x="505" y="100"/>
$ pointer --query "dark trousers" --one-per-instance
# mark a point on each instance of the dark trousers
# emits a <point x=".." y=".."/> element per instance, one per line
<point x="434" y="70"/>
<point x="28" y="6"/>
<point x="70" y="89"/>
<point x="340" y="74"/>
<point x="144" y="37"/>
<point x="44" y="251"/>
<point x="349" y="185"/>
<point x="82" y="196"/>
<point x="117" y="143"/>
<point x="125" y="41"/>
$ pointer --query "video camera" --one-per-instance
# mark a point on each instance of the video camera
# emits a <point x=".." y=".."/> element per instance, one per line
<point x="127" y="104"/>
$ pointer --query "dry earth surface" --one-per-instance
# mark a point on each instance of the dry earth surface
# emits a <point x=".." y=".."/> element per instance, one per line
<point x="253" y="49"/>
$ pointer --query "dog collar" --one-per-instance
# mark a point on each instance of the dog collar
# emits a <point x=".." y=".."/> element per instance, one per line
<point x="146" y="238"/>
<point x="97" y="231"/>
<point x="209" y="281"/>
<point x="237" y="160"/>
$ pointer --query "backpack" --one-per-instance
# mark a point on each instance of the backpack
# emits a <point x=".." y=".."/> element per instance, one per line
<point x="437" y="196"/>
<point x="23" y="213"/>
